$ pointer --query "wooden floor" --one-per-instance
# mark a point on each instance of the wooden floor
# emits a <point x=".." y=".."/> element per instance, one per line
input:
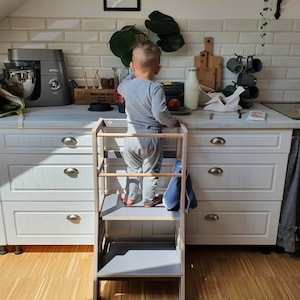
<point x="212" y="273"/>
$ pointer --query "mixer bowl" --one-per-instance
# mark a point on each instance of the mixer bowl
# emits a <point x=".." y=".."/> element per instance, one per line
<point x="21" y="82"/>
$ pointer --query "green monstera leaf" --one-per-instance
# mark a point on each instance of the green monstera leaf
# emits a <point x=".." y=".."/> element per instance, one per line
<point x="170" y="43"/>
<point x="122" y="41"/>
<point x="167" y="30"/>
<point x="162" y="24"/>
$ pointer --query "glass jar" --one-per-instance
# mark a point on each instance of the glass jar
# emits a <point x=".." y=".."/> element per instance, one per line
<point x="119" y="75"/>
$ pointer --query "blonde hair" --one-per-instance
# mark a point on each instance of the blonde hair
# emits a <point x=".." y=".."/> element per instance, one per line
<point x="146" y="54"/>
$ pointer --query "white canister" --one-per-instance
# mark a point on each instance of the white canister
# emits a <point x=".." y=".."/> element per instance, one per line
<point x="191" y="89"/>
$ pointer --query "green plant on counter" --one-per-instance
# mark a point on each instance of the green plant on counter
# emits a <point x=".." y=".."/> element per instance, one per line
<point x="164" y="26"/>
<point x="265" y="15"/>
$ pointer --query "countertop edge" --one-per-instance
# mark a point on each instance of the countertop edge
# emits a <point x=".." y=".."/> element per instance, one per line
<point x="79" y="117"/>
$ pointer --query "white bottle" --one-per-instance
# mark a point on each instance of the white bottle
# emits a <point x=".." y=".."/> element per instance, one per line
<point x="191" y="89"/>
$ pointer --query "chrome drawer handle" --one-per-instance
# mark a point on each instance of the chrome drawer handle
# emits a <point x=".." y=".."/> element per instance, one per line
<point x="69" y="141"/>
<point x="215" y="171"/>
<point x="217" y="141"/>
<point x="211" y="217"/>
<point x="73" y="218"/>
<point x="73" y="172"/>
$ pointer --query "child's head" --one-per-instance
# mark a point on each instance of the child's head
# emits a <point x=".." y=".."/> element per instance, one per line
<point x="146" y="57"/>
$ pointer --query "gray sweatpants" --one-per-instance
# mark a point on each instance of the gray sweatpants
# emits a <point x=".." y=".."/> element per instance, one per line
<point x="142" y="155"/>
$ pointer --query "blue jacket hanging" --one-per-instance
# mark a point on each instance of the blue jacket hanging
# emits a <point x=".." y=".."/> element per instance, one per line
<point x="171" y="197"/>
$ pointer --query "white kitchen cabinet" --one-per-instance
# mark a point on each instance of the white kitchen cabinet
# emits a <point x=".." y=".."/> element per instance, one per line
<point x="47" y="186"/>
<point x="238" y="177"/>
<point x="239" y="206"/>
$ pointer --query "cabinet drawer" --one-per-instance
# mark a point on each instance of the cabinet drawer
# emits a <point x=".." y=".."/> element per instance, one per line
<point x="237" y="176"/>
<point x="47" y="141"/>
<point x="233" y="223"/>
<point x="240" y="141"/>
<point x="49" y="223"/>
<point x="43" y="178"/>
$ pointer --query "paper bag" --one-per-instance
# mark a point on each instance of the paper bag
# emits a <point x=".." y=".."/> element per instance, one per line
<point x="10" y="104"/>
<point x="223" y="104"/>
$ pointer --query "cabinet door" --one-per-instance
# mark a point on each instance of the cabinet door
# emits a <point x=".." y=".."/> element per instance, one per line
<point x="237" y="176"/>
<point x="42" y="177"/>
<point x="233" y="223"/>
<point x="58" y="223"/>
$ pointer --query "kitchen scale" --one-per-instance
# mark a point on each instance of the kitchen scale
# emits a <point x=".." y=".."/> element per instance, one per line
<point x="291" y="110"/>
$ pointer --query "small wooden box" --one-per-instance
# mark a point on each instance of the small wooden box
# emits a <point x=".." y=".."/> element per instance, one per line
<point x="92" y="95"/>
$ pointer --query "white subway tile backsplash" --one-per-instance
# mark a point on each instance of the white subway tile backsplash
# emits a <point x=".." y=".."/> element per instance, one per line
<point x="183" y="24"/>
<point x="287" y="37"/>
<point x="85" y="45"/>
<point x="105" y="36"/>
<point x="75" y="72"/>
<point x="69" y="48"/>
<point x="4" y="47"/>
<point x="270" y="95"/>
<point x="110" y="61"/>
<point x="280" y="25"/>
<point x="24" y="24"/>
<point x="275" y="50"/>
<point x="253" y="38"/>
<point x="295" y="49"/>
<point x="180" y="61"/>
<point x="285" y="61"/>
<point x="267" y="61"/>
<point x="96" y="49"/>
<point x="193" y="37"/>
<point x="240" y="25"/>
<point x="30" y="45"/>
<point x="171" y="74"/>
<point x="4" y="24"/>
<point x="229" y="51"/>
<point x="81" y="36"/>
<point x="296" y="25"/>
<point x="46" y="36"/>
<point x="293" y="73"/>
<point x="224" y="37"/>
<point x="292" y="96"/>
<point x="99" y="25"/>
<point x="82" y="61"/>
<point x="139" y="23"/>
<point x="274" y="73"/>
<point x="3" y="58"/>
<point x="204" y="25"/>
<point x="13" y="36"/>
<point x="284" y="84"/>
<point x="63" y="24"/>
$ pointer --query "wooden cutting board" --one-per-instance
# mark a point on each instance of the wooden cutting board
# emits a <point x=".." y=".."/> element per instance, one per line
<point x="209" y="67"/>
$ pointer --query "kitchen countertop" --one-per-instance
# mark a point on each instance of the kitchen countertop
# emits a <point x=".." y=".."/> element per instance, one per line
<point x="79" y="117"/>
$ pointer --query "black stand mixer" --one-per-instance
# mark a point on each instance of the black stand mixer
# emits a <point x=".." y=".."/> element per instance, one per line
<point x="39" y="76"/>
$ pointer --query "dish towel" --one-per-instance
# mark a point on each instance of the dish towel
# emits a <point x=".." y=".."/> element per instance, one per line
<point x="171" y="197"/>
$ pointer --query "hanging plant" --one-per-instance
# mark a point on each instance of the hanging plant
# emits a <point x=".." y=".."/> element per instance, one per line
<point x="265" y="15"/>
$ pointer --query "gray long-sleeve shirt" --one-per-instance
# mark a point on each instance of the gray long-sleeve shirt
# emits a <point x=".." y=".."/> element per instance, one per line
<point x="145" y="103"/>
